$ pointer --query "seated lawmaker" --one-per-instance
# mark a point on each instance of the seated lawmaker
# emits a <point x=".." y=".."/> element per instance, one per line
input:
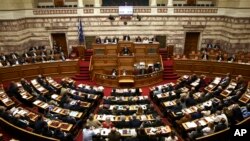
<point x="154" y="39"/>
<point x="98" y="40"/>
<point x="138" y="39"/>
<point x="115" y="40"/>
<point x="106" y="40"/>
<point x="126" y="38"/>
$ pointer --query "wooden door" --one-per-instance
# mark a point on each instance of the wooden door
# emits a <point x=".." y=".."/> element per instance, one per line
<point x="60" y="40"/>
<point x="170" y="51"/>
<point x="191" y="2"/>
<point x="191" y="42"/>
<point x="59" y="3"/>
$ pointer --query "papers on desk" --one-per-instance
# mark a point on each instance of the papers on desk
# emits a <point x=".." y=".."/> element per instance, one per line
<point x="143" y="117"/>
<point x="58" y="110"/>
<point x="34" y="82"/>
<point x="24" y="96"/>
<point x="5" y="100"/>
<point x="208" y="119"/>
<point x="144" y="107"/>
<point x="202" y="122"/>
<point x="54" y="96"/>
<point x="40" y="89"/>
<point x="105" y="132"/>
<point x="73" y="113"/>
<point x="190" y="124"/>
<point x="45" y="105"/>
<point x="185" y="76"/>
<point x="36" y="102"/>
<point x="22" y="112"/>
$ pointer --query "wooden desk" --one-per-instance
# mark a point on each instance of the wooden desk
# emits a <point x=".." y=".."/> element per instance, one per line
<point x="211" y="68"/>
<point x="53" y="69"/>
<point x="5" y="99"/>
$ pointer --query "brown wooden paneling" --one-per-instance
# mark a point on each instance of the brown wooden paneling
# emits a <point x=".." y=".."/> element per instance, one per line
<point x="211" y="68"/>
<point x="60" y="69"/>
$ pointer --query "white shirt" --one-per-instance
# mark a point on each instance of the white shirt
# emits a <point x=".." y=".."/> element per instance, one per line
<point x="170" y="139"/>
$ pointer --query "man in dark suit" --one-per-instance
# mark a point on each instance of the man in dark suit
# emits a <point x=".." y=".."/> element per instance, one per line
<point x="106" y="40"/>
<point x="221" y="125"/>
<point x="220" y="57"/>
<point x="122" y="123"/>
<point x="39" y="125"/>
<point x="135" y="123"/>
<point x="125" y="51"/>
<point x="115" y="40"/>
<point x="154" y="39"/>
<point x="126" y="38"/>
<point x="138" y="39"/>
<point x="98" y="40"/>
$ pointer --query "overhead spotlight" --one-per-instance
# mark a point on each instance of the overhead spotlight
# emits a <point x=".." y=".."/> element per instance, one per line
<point x="138" y="17"/>
<point x="111" y="18"/>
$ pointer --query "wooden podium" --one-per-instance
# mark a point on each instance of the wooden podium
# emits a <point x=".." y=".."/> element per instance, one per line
<point x="79" y="50"/>
<point x="126" y="81"/>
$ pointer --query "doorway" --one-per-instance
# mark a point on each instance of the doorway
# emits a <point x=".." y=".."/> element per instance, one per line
<point x="60" y="40"/>
<point x="191" y="42"/>
<point x="191" y="2"/>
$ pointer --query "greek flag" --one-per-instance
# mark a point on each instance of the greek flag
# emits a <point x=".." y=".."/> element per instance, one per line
<point x="80" y="33"/>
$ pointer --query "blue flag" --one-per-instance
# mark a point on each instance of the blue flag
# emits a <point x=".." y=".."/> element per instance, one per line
<point x="80" y="33"/>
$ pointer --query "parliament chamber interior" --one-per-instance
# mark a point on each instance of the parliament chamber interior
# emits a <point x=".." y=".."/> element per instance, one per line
<point x="124" y="70"/>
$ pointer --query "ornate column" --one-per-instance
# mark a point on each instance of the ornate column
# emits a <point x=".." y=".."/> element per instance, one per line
<point x="153" y="3"/>
<point x="97" y="3"/>
<point x="80" y="3"/>
<point x="170" y="3"/>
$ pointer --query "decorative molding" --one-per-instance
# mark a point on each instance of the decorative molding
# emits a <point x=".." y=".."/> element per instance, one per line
<point x="162" y="10"/>
<point x="54" y="11"/>
<point x="88" y="10"/>
<point x="110" y="10"/>
<point x="195" y="10"/>
<point x="57" y="28"/>
<point x="142" y="10"/>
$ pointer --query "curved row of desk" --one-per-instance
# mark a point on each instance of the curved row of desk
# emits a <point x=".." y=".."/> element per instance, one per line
<point x="53" y="69"/>
<point x="69" y="68"/>
<point x="211" y="68"/>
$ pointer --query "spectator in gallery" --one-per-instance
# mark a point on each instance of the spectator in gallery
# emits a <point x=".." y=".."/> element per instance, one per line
<point x="220" y="57"/>
<point x="231" y="58"/>
<point x="138" y="39"/>
<point x="205" y="56"/>
<point x="98" y="40"/>
<point x="126" y="38"/>
<point x="216" y="46"/>
<point x="209" y="45"/>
